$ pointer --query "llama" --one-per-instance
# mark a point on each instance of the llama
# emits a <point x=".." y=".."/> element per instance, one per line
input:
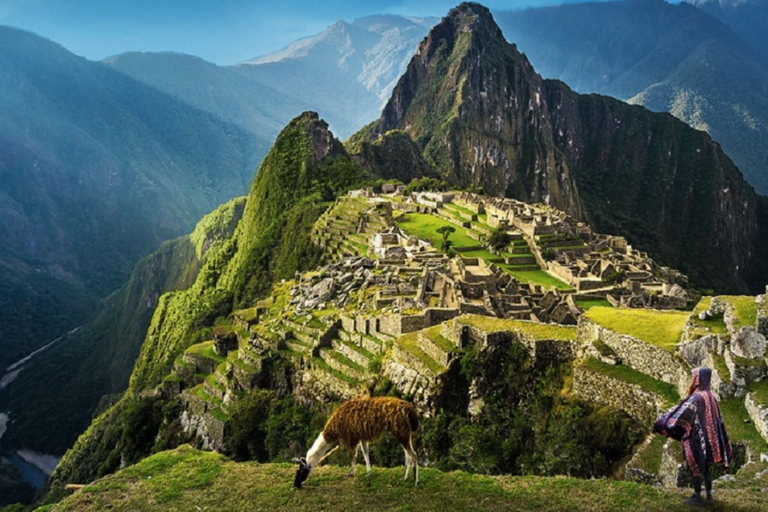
<point x="355" y="424"/>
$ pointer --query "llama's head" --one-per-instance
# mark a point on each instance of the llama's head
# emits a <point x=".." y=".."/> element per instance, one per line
<point x="302" y="473"/>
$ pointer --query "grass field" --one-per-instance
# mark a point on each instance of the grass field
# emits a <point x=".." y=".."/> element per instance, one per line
<point x="586" y="305"/>
<point x="536" y="277"/>
<point x="186" y="479"/>
<point x="738" y="424"/>
<point x="535" y="329"/>
<point x="744" y="310"/>
<point x="660" y="328"/>
<point x="425" y="226"/>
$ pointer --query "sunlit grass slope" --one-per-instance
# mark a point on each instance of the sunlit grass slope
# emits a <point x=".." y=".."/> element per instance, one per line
<point x="188" y="479"/>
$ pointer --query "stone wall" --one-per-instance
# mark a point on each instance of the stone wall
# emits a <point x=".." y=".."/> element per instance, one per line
<point x="635" y="353"/>
<point x="759" y="414"/>
<point x="197" y="421"/>
<point x="696" y="352"/>
<point x="599" y="388"/>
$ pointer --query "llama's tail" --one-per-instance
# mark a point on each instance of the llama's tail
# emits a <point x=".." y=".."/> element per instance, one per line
<point x="413" y="417"/>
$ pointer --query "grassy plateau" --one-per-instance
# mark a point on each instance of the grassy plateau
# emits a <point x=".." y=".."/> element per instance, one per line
<point x="188" y="479"/>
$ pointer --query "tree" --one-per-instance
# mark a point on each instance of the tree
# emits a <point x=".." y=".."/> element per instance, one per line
<point x="499" y="239"/>
<point x="446" y="232"/>
<point x="615" y="277"/>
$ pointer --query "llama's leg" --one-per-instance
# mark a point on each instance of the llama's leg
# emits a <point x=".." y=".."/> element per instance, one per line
<point x="354" y="457"/>
<point x="407" y="463"/>
<point x="415" y="460"/>
<point x="366" y="449"/>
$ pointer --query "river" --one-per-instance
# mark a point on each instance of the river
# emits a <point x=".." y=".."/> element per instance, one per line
<point x="34" y="467"/>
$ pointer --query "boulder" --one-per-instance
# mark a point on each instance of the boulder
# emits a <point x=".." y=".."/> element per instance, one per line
<point x="749" y="343"/>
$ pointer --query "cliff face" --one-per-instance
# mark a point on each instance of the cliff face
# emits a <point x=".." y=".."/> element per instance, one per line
<point x="484" y="117"/>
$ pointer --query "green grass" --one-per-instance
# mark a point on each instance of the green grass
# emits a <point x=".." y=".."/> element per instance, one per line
<point x="425" y="226"/>
<point x="648" y="457"/>
<point x="759" y="392"/>
<point x="586" y="305"/>
<point x="341" y="376"/>
<point x="484" y="254"/>
<point x="462" y="209"/>
<point x="343" y="359"/>
<point x="409" y="343"/>
<point x="660" y="328"/>
<point x="433" y="333"/>
<point x="624" y="373"/>
<point x="205" y="349"/>
<point x="738" y="424"/>
<point x="537" y="330"/>
<point x="187" y="479"/>
<point x="536" y="277"/>
<point x="721" y="367"/>
<point x="744" y="310"/>
<point x="704" y="327"/>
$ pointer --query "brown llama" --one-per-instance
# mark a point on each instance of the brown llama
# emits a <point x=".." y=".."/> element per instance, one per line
<point x="358" y="422"/>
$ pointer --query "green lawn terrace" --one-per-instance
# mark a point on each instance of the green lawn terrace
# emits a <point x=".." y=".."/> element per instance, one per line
<point x="347" y="225"/>
<point x="571" y="252"/>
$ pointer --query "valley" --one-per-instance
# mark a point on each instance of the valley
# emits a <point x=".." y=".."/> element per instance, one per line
<point x="536" y="268"/>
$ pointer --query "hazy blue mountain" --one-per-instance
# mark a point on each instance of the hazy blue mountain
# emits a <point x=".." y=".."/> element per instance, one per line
<point x="218" y="90"/>
<point x="96" y="169"/>
<point x="748" y="18"/>
<point x="666" y="57"/>
<point x="346" y="72"/>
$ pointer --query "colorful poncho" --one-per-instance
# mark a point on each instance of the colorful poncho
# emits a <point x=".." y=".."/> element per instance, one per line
<point x="696" y="421"/>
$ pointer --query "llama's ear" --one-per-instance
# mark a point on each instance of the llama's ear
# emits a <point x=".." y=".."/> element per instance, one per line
<point x="296" y="460"/>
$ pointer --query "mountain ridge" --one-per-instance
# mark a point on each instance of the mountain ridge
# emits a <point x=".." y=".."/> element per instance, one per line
<point x="483" y="117"/>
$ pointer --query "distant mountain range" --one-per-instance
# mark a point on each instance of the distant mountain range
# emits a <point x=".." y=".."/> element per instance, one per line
<point x="346" y="72"/>
<point x="96" y="170"/>
<point x="666" y="57"/>
<point x="748" y="18"/>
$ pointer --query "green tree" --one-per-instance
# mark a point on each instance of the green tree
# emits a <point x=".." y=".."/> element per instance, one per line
<point x="499" y="239"/>
<point x="615" y="277"/>
<point x="446" y="232"/>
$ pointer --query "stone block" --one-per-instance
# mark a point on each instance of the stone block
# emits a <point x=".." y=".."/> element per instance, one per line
<point x="749" y="343"/>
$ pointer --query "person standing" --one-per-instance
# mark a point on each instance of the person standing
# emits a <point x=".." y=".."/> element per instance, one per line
<point x="696" y="421"/>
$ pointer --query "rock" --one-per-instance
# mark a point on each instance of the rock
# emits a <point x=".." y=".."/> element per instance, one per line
<point x="323" y="290"/>
<point x="727" y="478"/>
<point x="704" y="315"/>
<point x="749" y="343"/>
<point x="764" y="457"/>
<point x="678" y="291"/>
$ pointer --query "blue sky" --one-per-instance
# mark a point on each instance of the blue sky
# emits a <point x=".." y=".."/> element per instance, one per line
<point x="221" y="31"/>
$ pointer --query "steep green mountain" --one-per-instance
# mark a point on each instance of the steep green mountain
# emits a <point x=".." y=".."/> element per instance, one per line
<point x="306" y="167"/>
<point x="483" y="117"/>
<point x="96" y="170"/>
<point x="98" y="359"/>
<point x="666" y="57"/>
<point x="748" y="18"/>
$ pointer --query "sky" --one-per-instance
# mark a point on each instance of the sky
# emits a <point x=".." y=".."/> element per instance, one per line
<point x="220" y="31"/>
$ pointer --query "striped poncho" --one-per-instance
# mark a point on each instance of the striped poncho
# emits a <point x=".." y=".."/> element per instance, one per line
<point x="696" y="421"/>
